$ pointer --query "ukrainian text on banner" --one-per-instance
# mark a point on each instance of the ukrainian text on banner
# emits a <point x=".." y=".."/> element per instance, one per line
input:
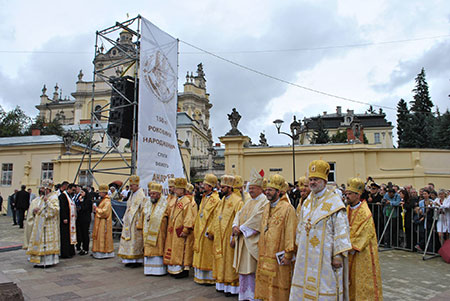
<point x="158" y="154"/>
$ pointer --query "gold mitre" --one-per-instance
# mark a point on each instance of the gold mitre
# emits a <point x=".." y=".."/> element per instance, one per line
<point x="171" y="182"/>
<point x="210" y="179"/>
<point x="190" y="187"/>
<point x="149" y="185"/>
<point x="264" y="184"/>
<point x="103" y="188"/>
<point x="238" y="182"/>
<point x="227" y="181"/>
<point x="255" y="178"/>
<point x="276" y="182"/>
<point x="303" y="182"/>
<point x="180" y="183"/>
<point x="155" y="187"/>
<point x="47" y="183"/>
<point x="285" y="187"/>
<point x="355" y="185"/>
<point x="319" y="169"/>
<point x="134" y="180"/>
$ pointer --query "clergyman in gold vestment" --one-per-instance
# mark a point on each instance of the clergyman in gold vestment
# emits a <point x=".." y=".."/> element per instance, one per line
<point x="227" y="279"/>
<point x="203" y="239"/>
<point x="131" y="248"/>
<point x="154" y="228"/>
<point x="364" y="266"/>
<point x="102" y="238"/>
<point x="276" y="244"/>
<point x="181" y="217"/>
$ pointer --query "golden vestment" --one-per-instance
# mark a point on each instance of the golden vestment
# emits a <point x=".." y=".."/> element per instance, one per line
<point x="29" y="222"/>
<point x="154" y="221"/>
<point x="203" y="246"/>
<point x="322" y="233"/>
<point x="222" y="227"/>
<point x="181" y="217"/>
<point x="364" y="267"/>
<point x="131" y="242"/>
<point x="102" y="238"/>
<point x="273" y="281"/>
<point x="246" y="248"/>
<point x="44" y="238"/>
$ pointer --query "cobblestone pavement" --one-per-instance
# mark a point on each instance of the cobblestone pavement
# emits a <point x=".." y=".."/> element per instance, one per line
<point x="405" y="277"/>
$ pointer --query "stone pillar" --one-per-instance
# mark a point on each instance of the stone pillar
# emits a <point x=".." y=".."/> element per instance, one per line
<point x="234" y="153"/>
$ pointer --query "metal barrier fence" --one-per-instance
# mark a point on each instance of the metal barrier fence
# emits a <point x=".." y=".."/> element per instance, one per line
<point x="409" y="228"/>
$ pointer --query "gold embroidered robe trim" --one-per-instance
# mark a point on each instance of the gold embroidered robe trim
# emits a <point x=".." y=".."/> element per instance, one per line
<point x="181" y="216"/>
<point x="102" y="238"/>
<point x="203" y="246"/>
<point x="273" y="281"/>
<point x="246" y="248"/>
<point x="154" y="220"/>
<point x="131" y="241"/>
<point x="223" y="270"/>
<point x="28" y="223"/>
<point x="364" y="268"/>
<point x="322" y="232"/>
<point x="44" y="238"/>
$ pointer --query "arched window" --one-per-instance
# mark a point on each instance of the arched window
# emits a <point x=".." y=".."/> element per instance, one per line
<point x="97" y="112"/>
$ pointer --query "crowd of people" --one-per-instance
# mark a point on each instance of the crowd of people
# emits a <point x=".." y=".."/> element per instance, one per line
<point x="262" y="239"/>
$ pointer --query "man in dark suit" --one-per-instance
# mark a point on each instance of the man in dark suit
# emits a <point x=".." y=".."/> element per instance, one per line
<point x="12" y="205"/>
<point x="22" y="203"/>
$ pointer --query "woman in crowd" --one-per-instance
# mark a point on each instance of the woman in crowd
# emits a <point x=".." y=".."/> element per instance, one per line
<point x="443" y="203"/>
<point x="408" y="207"/>
<point x="84" y="220"/>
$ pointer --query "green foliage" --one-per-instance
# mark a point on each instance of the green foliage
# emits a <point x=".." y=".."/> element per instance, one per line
<point x="442" y="131"/>
<point x="47" y="128"/>
<point x="321" y="134"/>
<point x="422" y="102"/>
<point x="339" y="137"/>
<point x="13" y="123"/>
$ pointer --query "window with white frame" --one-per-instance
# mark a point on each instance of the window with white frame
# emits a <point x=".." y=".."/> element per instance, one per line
<point x="376" y="138"/>
<point x="332" y="174"/>
<point x="7" y="170"/>
<point x="47" y="171"/>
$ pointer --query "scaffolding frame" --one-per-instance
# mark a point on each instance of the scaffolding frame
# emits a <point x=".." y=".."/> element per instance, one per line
<point x="126" y="57"/>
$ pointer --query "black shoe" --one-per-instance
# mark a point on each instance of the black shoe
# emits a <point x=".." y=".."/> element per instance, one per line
<point x="14" y="224"/>
<point x="83" y="252"/>
<point x="20" y="227"/>
<point x="183" y="274"/>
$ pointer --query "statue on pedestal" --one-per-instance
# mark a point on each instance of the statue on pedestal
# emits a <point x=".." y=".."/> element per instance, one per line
<point x="234" y="118"/>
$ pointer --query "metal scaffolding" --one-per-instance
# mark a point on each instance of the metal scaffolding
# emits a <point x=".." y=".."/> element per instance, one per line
<point x="126" y="55"/>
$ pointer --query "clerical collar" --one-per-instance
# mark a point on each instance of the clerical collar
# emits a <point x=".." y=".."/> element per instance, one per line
<point x="274" y="203"/>
<point x="227" y="196"/>
<point x="320" y="193"/>
<point x="209" y="194"/>
<point x="356" y="206"/>
<point x="180" y="197"/>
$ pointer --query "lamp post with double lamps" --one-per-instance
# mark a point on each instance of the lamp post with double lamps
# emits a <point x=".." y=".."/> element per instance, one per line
<point x="296" y="130"/>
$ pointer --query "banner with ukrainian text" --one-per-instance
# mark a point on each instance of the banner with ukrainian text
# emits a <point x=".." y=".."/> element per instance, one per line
<point x="158" y="153"/>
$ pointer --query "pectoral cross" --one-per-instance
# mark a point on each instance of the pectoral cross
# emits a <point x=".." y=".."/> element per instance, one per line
<point x="308" y="226"/>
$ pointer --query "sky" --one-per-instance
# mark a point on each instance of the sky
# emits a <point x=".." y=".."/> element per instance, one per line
<point x="301" y="42"/>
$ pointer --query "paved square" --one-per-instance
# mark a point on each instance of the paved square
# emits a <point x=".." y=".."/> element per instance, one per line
<point x="405" y="277"/>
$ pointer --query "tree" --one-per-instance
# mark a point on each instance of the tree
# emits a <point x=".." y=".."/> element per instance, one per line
<point x="404" y="125"/>
<point x="422" y="102"/>
<point x="47" y="128"/>
<point x="422" y="120"/>
<point x="442" y="131"/>
<point x="321" y="134"/>
<point x="339" y="137"/>
<point x="13" y="123"/>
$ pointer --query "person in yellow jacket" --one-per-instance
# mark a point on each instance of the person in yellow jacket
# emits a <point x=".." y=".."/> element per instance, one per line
<point x="102" y="238"/>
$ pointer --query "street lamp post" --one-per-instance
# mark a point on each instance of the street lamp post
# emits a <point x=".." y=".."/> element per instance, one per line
<point x="296" y="129"/>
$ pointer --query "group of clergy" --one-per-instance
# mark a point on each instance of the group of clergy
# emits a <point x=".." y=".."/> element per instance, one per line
<point x="51" y="232"/>
<point x="256" y="245"/>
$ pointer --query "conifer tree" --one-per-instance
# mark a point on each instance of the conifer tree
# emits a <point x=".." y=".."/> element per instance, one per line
<point x="321" y="134"/>
<point x="404" y="125"/>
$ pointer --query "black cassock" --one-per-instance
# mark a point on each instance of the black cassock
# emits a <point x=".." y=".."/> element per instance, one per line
<point x="67" y="250"/>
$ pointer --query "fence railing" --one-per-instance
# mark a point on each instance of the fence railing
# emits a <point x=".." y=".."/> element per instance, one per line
<point x="410" y="228"/>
